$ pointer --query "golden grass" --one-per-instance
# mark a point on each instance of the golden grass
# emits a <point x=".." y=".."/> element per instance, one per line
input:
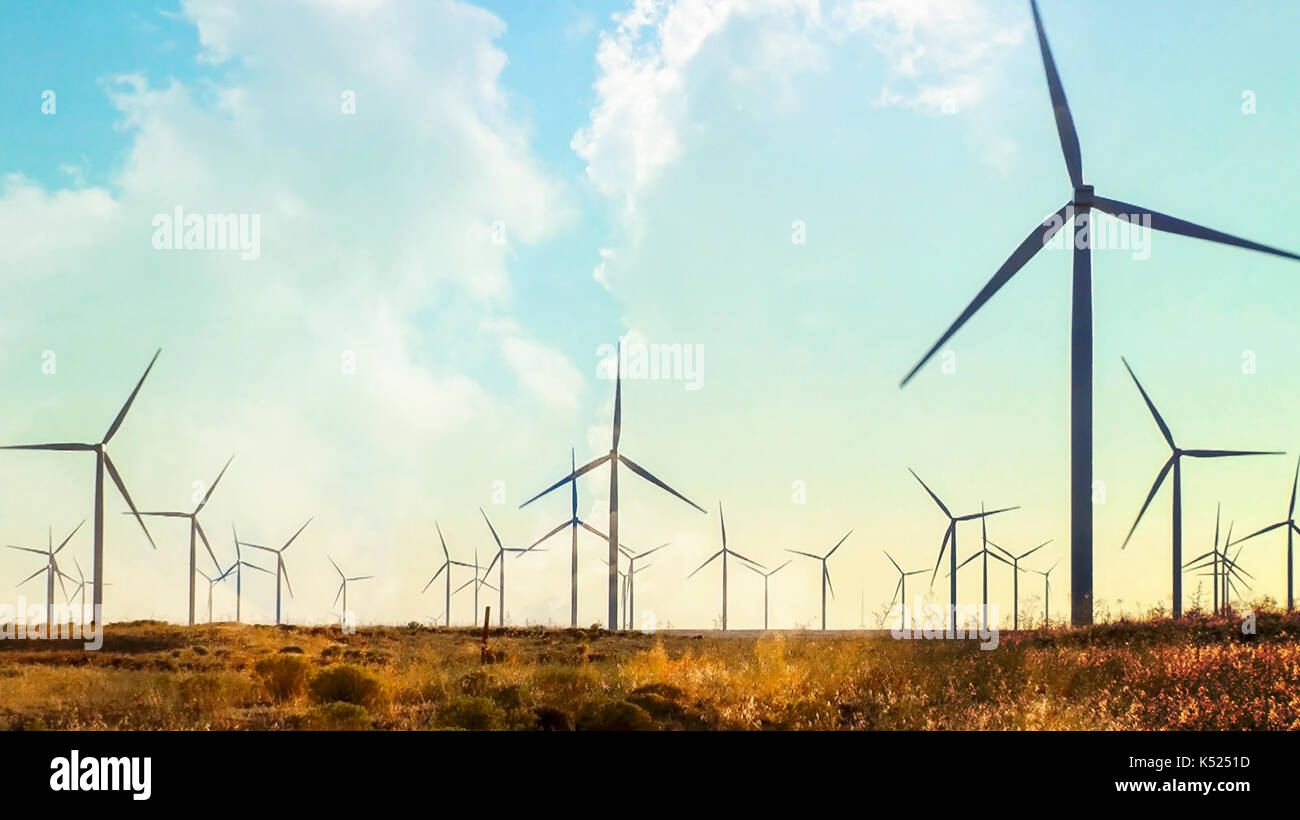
<point x="1197" y="674"/>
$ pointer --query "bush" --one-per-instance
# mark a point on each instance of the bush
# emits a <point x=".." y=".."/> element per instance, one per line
<point x="614" y="716"/>
<point x="472" y="712"/>
<point x="474" y="683"/>
<point x="284" y="676"/>
<point x="552" y="719"/>
<point x="291" y="650"/>
<point x="202" y="692"/>
<point x="338" y="716"/>
<point x="346" y="683"/>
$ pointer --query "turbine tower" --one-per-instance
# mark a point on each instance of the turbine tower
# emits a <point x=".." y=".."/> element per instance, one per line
<point x="951" y="533"/>
<point x="102" y="463"/>
<point x="614" y="457"/>
<point x="240" y="563"/>
<point x="1077" y="212"/>
<point x="826" y="573"/>
<point x="196" y="529"/>
<point x="724" y="552"/>
<point x="1174" y="463"/>
<point x="499" y="556"/>
<point x="766" y="576"/>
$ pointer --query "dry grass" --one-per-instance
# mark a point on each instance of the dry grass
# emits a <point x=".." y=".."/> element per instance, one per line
<point x="1198" y="674"/>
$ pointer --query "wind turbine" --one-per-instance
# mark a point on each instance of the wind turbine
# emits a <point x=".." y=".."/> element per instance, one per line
<point x="501" y="570"/>
<point x="1223" y="570"/>
<point x="951" y="533"/>
<point x="630" y="599"/>
<point x="826" y="573"/>
<point x="477" y="581"/>
<point x="343" y="587"/>
<point x="213" y="582"/>
<point x="901" y="587"/>
<point x="1077" y="211"/>
<point x="724" y="552"/>
<point x="626" y="577"/>
<point x="102" y="463"/>
<point x="1291" y="530"/>
<point x="196" y="529"/>
<point x="1175" y="463"/>
<point x="573" y="523"/>
<point x="614" y="457"/>
<point x="1047" y="592"/>
<point x="766" y="576"/>
<point x="239" y="565"/>
<point x="51" y="570"/>
<point x="447" y="564"/>
<point x="1015" y="578"/>
<point x="986" y="553"/>
<point x="280" y="571"/>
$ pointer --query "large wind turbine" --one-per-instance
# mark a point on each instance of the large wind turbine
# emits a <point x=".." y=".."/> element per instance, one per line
<point x="447" y="564"/>
<point x="280" y="571"/>
<point x="51" y="570"/>
<point x="826" y="573"/>
<point x="573" y="523"/>
<point x="240" y="563"/>
<point x="1015" y="578"/>
<point x="1175" y="464"/>
<point x="343" y="587"/>
<point x="724" y="552"/>
<point x="630" y="600"/>
<point x="196" y="529"/>
<point x="1077" y="211"/>
<point x="766" y="576"/>
<point x="102" y="463"/>
<point x="1291" y="530"/>
<point x="614" y="457"/>
<point x="951" y="533"/>
<point x="900" y="589"/>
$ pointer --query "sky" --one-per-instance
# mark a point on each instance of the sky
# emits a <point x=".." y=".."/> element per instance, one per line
<point x="803" y="193"/>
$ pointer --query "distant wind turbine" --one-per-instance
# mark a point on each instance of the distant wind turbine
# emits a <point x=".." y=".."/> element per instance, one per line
<point x="499" y="557"/>
<point x="630" y="599"/>
<point x="573" y="524"/>
<point x="1174" y="463"/>
<point x="724" y="552"/>
<point x="1078" y="212"/>
<point x="447" y="564"/>
<point x="900" y="589"/>
<point x="1224" y="570"/>
<point x="766" y="576"/>
<point x="280" y="571"/>
<point x="614" y="457"/>
<point x="951" y="534"/>
<point x="1047" y="592"/>
<point x="1291" y="530"/>
<point x="102" y="463"/>
<point x="343" y="587"/>
<point x="213" y="582"/>
<point x="196" y="529"/>
<point x="51" y="570"/>
<point x="239" y="565"/>
<point x="477" y="581"/>
<point x="986" y="554"/>
<point x="826" y="573"/>
<point x="1015" y="576"/>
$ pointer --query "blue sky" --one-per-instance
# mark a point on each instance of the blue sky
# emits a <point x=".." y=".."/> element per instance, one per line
<point x="680" y="142"/>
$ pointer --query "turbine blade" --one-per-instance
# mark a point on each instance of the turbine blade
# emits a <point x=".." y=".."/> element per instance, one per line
<point x="897" y="587"/>
<point x="336" y="567"/>
<point x="29" y="549"/>
<point x="443" y="541"/>
<point x="644" y="473"/>
<point x="492" y="563"/>
<point x="1060" y="108"/>
<point x="743" y="558"/>
<point x="618" y="393"/>
<point x="892" y="561"/>
<point x="339" y="594"/>
<point x="829" y="585"/>
<point x="942" y="506"/>
<point x="986" y="513"/>
<point x="942" y="546"/>
<point x="972" y="557"/>
<point x="549" y="534"/>
<point x="705" y="564"/>
<point x="651" y="551"/>
<point x="1229" y="453"/>
<point x="121" y="414"/>
<point x="1160" y="421"/>
<point x="208" y="494"/>
<point x="1043" y="232"/>
<point x="1269" y="528"/>
<point x="837" y="545"/>
<point x="806" y="554"/>
<point x="593" y="530"/>
<point x="1170" y="224"/>
<point x="434" y="578"/>
<point x="57" y="446"/>
<point x="778" y="569"/>
<point x="204" y="538"/>
<point x="1160" y="478"/>
<point x="45" y="568"/>
<point x="573" y="476"/>
<point x="1035" y="549"/>
<point x="121" y="488"/>
<point x="294" y="537"/>
<point x="284" y="571"/>
<point x="495" y="537"/>
<point x="1294" y="482"/>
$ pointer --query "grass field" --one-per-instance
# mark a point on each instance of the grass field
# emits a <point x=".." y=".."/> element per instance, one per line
<point x="1197" y="674"/>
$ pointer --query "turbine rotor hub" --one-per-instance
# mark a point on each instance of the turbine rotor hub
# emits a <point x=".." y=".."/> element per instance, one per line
<point x="1083" y="196"/>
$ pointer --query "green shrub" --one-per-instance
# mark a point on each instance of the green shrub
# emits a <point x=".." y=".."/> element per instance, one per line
<point x="346" y="683"/>
<point x="472" y="712"/>
<point x="338" y="716"/>
<point x="614" y="716"/>
<point x="284" y="676"/>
